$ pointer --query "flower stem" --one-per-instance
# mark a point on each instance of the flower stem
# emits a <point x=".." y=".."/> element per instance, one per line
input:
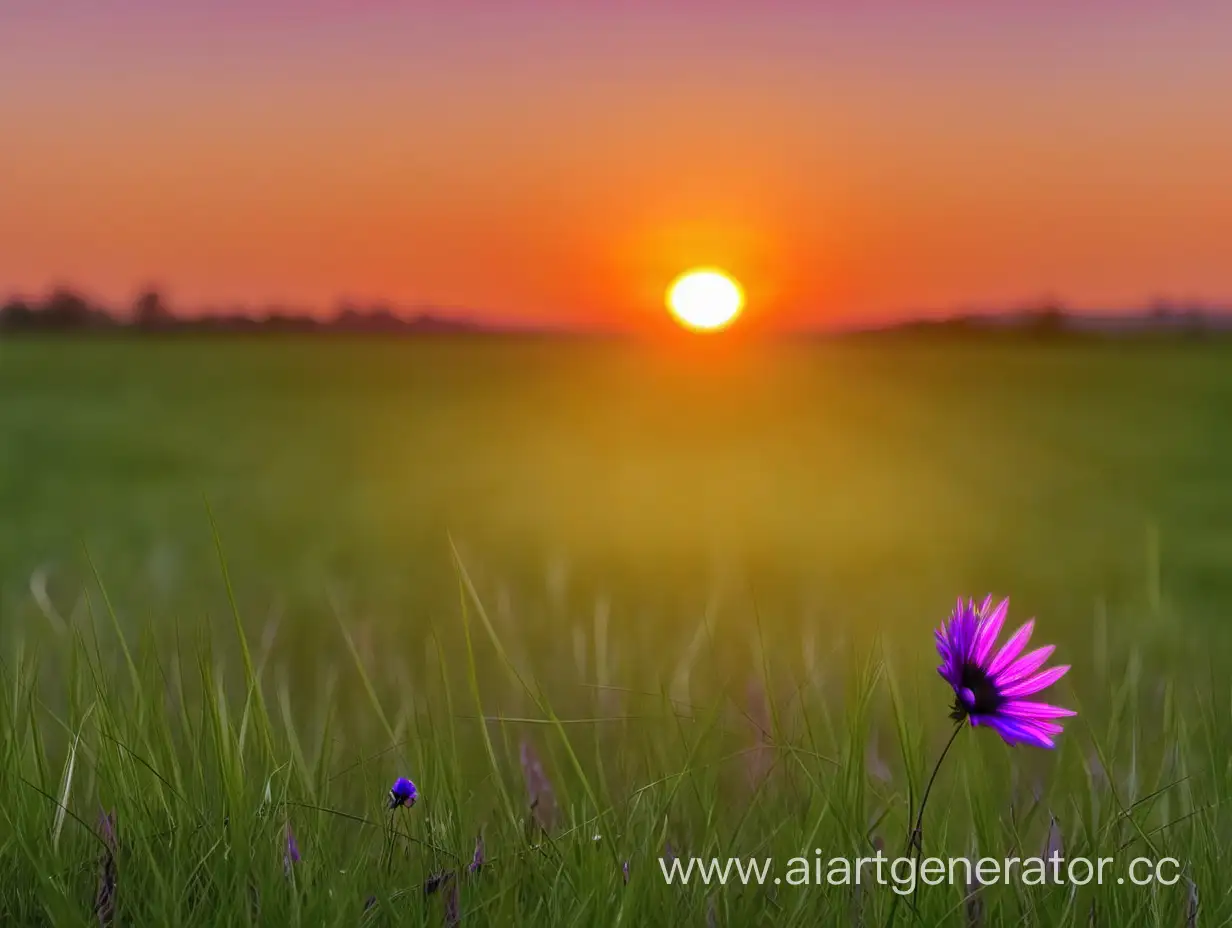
<point x="915" y="840"/>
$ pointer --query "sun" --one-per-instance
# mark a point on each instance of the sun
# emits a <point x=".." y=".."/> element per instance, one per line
<point x="705" y="299"/>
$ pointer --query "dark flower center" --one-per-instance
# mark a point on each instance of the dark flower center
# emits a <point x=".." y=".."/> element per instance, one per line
<point x="977" y="694"/>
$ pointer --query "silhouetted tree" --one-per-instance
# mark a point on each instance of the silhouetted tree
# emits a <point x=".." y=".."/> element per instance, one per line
<point x="1048" y="321"/>
<point x="16" y="315"/>
<point x="67" y="310"/>
<point x="150" y="313"/>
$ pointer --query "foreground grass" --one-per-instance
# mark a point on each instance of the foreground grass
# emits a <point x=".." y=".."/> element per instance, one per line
<point x="729" y="652"/>
<point x="207" y="755"/>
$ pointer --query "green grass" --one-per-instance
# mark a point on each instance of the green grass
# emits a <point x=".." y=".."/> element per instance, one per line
<point x="246" y="584"/>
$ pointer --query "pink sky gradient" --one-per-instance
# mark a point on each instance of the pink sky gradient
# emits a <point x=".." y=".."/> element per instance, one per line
<point x="560" y="163"/>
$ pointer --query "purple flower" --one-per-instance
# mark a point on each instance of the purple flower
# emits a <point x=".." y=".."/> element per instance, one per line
<point x="477" y="859"/>
<point x="989" y="687"/>
<point x="453" y="914"/>
<point x="291" y="854"/>
<point x="402" y="793"/>
<point x="538" y="788"/>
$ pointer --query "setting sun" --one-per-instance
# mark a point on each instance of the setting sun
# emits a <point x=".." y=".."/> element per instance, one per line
<point x="705" y="299"/>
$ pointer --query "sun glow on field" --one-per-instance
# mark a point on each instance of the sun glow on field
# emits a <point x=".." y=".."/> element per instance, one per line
<point x="705" y="299"/>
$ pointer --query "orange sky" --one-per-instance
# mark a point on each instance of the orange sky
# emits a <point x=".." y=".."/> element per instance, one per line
<point x="531" y="164"/>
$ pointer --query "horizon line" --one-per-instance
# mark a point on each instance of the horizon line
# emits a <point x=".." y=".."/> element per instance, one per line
<point x="275" y="312"/>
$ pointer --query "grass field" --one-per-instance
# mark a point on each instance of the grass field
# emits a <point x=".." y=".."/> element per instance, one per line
<point x="699" y="582"/>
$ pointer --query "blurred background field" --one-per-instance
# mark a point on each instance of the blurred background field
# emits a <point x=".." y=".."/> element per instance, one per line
<point x="725" y="525"/>
<point x="863" y="485"/>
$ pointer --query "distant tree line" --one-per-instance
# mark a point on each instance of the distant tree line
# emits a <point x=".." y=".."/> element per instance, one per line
<point x="64" y="310"/>
<point x="1049" y="321"/>
<point x="67" y="311"/>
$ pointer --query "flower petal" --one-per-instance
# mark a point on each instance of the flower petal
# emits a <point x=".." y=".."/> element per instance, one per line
<point x="943" y="643"/>
<point x="970" y="627"/>
<point x="955" y="631"/>
<point x="1025" y="709"/>
<point x="1036" y="683"/>
<point x="1051" y="728"/>
<point x="1012" y="648"/>
<point x="1014" y="731"/>
<point x="990" y="628"/>
<point x="1024" y="666"/>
